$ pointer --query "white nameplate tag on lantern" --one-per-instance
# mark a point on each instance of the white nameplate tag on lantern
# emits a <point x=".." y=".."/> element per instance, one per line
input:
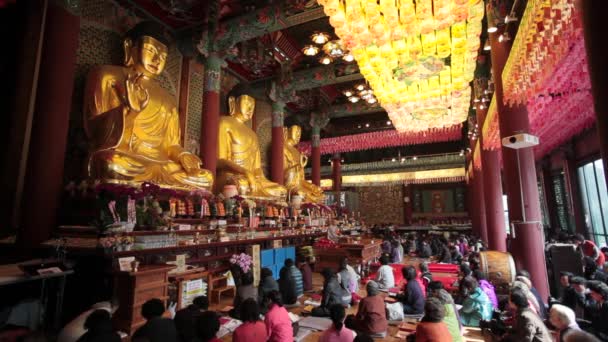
<point x="184" y="227"/>
<point x="125" y="263"/>
<point x="222" y="222"/>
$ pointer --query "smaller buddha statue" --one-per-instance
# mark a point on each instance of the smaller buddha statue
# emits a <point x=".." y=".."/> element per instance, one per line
<point x="133" y="123"/>
<point x="239" y="161"/>
<point x="294" y="163"/>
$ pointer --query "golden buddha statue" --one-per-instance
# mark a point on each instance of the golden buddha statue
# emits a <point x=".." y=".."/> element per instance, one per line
<point x="133" y="123"/>
<point x="294" y="163"/>
<point x="239" y="161"/>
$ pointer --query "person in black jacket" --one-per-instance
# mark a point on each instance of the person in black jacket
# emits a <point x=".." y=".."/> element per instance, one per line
<point x="185" y="319"/>
<point x="599" y="318"/>
<point x="157" y="328"/>
<point x="412" y="297"/>
<point x="99" y="328"/>
<point x="267" y="285"/>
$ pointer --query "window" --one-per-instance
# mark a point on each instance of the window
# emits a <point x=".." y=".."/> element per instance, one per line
<point x="564" y="218"/>
<point x="595" y="199"/>
<point x="505" y="205"/>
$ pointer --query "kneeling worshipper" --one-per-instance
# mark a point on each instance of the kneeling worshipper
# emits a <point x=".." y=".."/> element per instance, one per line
<point x="252" y="329"/>
<point x="431" y="328"/>
<point x="371" y="315"/>
<point x="278" y="323"/>
<point x="157" y="328"/>
<point x="99" y="328"/>
<point x="208" y="324"/>
<point x="451" y="318"/>
<point x="385" y="277"/>
<point x="243" y="292"/>
<point x="412" y="297"/>
<point x="333" y="293"/>
<point x="337" y="332"/>
<point x="476" y="305"/>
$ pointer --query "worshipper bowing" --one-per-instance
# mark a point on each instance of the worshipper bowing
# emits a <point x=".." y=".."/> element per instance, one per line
<point x="431" y="328"/>
<point x="98" y="327"/>
<point x="528" y="326"/>
<point x="290" y="270"/>
<point x="157" y="328"/>
<point x="207" y="326"/>
<point x="451" y="317"/>
<point x="267" y="285"/>
<point x="333" y="293"/>
<point x="337" y="332"/>
<point x="541" y="302"/>
<point x="486" y="287"/>
<point x="592" y="272"/>
<point x="252" y="329"/>
<point x="385" y="277"/>
<point x="476" y="305"/>
<point x="371" y="314"/>
<point x="243" y="292"/>
<point x="563" y="319"/>
<point x="277" y="321"/>
<point x="412" y="297"/>
<point x="306" y="269"/>
<point x="72" y="331"/>
<point x="587" y="248"/>
<point x="185" y="319"/>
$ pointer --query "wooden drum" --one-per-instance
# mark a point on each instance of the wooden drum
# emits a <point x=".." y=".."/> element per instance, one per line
<point x="498" y="268"/>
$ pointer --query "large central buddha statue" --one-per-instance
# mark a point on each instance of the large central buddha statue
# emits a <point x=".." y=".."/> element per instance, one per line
<point x="294" y="163"/>
<point x="133" y="123"/>
<point x="239" y="161"/>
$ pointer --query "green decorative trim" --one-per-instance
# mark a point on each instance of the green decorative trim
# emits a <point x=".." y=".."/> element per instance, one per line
<point x="213" y="73"/>
<point x="278" y="114"/>
<point x="316" y="136"/>
<point x="349" y="109"/>
<point x="423" y="163"/>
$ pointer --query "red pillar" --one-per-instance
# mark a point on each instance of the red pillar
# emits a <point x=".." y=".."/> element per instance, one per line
<point x="184" y="89"/>
<point x="44" y="174"/>
<point x="276" y="161"/>
<point x="480" y="204"/>
<point x="596" y="31"/>
<point x="316" y="155"/>
<point x="210" y="117"/>
<point x="336" y="172"/>
<point x="520" y="179"/>
<point x="492" y="188"/>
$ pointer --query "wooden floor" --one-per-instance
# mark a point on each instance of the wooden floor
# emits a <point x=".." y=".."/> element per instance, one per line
<point x="471" y="334"/>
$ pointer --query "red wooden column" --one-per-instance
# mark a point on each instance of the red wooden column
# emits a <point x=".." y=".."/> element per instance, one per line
<point x="316" y="155"/>
<point x="480" y="204"/>
<point x="184" y="90"/>
<point x="596" y="31"/>
<point x="520" y="179"/>
<point x="492" y="188"/>
<point x="210" y="117"/>
<point x="336" y="172"/>
<point x="276" y="150"/>
<point x="43" y="179"/>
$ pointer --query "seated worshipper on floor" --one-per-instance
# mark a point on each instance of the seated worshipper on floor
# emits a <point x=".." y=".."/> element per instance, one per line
<point x="252" y="329"/>
<point x="455" y="254"/>
<point x="287" y="287"/>
<point x="371" y="314"/>
<point x="295" y="273"/>
<point x="425" y="250"/>
<point x="431" y="328"/>
<point x="563" y="319"/>
<point x="386" y="246"/>
<point x="541" y="302"/>
<point x="587" y="248"/>
<point x="157" y="328"/>
<point x="412" y="297"/>
<point x="267" y="285"/>
<point x="306" y="269"/>
<point x="444" y="256"/>
<point x="333" y="293"/>
<point x="75" y="329"/>
<point x="207" y="326"/>
<point x="337" y="332"/>
<point x="385" y="277"/>
<point x="599" y="318"/>
<point x="243" y="292"/>
<point x="486" y="287"/>
<point x="425" y="275"/>
<point x="99" y="328"/>
<point x="278" y="323"/>
<point x="185" y="319"/>
<point x="348" y="278"/>
<point x="528" y="326"/>
<point x="396" y="252"/>
<point x="592" y="272"/>
<point x="476" y="305"/>
<point x="451" y="318"/>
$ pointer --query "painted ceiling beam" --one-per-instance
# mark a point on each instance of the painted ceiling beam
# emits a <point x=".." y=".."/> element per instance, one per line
<point x="262" y="21"/>
<point x="353" y="109"/>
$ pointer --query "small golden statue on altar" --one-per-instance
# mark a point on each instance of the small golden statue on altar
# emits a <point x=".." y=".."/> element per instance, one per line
<point x="239" y="160"/>
<point x="133" y="123"/>
<point x="294" y="163"/>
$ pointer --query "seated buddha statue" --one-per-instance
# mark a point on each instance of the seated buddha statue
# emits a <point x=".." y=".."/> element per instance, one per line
<point x="133" y="123"/>
<point x="294" y="163"/>
<point x="239" y="161"/>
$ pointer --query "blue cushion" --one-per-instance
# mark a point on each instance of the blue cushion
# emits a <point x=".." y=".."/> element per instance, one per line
<point x="279" y="257"/>
<point x="267" y="258"/>
<point x="290" y="253"/>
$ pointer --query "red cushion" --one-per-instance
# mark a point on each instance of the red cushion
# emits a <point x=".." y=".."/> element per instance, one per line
<point x="443" y="268"/>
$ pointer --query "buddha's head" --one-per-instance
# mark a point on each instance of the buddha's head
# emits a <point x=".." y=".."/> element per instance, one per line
<point x="146" y="48"/>
<point x="241" y="106"/>
<point x="295" y="133"/>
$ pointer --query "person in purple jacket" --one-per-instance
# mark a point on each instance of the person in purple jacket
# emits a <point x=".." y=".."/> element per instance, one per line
<point x="486" y="287"/>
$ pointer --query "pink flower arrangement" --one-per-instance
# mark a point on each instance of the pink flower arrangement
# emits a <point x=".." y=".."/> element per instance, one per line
<point x="243" y="260"/>
<point x="108" y="242"/>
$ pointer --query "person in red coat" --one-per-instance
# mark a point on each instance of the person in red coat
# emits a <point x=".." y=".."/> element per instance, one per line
<point x="432" y="328"/>
<point x="588" y="248"/>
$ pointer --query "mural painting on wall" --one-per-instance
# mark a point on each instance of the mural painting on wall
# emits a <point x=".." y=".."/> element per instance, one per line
<point x="438" y="203"/>
<point x="381" y="204"/>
